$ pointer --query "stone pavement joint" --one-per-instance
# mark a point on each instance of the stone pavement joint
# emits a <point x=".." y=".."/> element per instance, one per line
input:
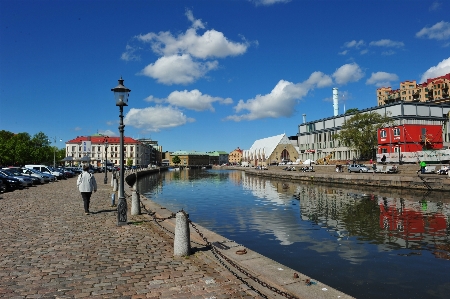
<point x="50" y="249"/>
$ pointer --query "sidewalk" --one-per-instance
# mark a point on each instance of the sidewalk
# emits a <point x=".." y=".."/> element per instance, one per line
<point x="50" y="249"/>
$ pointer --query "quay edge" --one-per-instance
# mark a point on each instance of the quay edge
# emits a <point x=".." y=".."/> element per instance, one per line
<point x="264" y="269"/>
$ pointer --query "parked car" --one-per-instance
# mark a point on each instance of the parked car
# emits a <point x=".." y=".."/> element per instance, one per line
<point x="357" y="168"/>
<point x="24" y="180"/>
<point x="51" y="177"/>
<point x="10" y="183"/>
<point x="2" y="187"/>
<point x="34" y="173"/>
<point x="17" y="172"/>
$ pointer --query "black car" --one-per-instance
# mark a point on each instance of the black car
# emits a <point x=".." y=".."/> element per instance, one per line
<point x="10" y="183"/>
<point x="2" y="187"/>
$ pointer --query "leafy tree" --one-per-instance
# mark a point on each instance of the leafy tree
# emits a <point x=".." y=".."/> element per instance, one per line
<point x="176" y="160"/>
<point x="129" y="162"/>
<point x="21" y="144"/>
<point x="351" y="111"/>
<point x="6" y="153"/>
<point x="42" y="151"/>
<point x="360" y="132"/>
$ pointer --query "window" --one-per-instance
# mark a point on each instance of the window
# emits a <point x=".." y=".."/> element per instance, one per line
<point x="396" y="132"/>
<point x="383" y="134"/>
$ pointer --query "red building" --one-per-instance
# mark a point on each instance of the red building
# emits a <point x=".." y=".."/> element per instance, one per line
<point x="409" y="138"/>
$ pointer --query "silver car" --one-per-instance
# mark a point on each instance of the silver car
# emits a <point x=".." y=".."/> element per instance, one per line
<point x="357" y="168"/>
<point x="25" y="181"/>
<point x="47" y="177"/>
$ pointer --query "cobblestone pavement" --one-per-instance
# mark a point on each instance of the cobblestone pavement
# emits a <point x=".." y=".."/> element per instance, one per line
<point x="50" y="249"/>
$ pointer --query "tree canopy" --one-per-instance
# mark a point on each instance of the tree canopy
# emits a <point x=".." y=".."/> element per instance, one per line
<point x="21" y="149"/>
<point x="176" y="160"/>
<point x="360" y="132"/>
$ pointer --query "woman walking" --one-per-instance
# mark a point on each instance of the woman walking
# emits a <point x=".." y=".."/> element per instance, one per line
<point x="86" y="184"/>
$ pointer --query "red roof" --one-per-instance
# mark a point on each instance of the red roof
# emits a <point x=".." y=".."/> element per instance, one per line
<point x="102" y="139"/>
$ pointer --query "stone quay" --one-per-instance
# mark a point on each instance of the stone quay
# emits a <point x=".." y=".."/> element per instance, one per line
<point x="50" y="249"/>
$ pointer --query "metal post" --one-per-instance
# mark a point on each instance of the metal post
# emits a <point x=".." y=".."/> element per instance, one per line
<point x="122" y="207"/>
<point x="106" y="159"/>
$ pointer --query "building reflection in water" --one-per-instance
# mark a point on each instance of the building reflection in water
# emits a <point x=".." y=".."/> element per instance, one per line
<point x="347" y="216"/>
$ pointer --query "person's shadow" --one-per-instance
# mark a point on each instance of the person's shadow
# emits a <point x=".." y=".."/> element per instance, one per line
<point x="104" y="211"/>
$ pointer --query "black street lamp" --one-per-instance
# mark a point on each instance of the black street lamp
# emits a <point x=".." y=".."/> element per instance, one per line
<point x="121" y="94"/>
<point x="105" y="180"/>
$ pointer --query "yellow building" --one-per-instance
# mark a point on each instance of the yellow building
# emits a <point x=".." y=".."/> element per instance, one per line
<point x="235" y="157"/>
<point x="434" y="90"/>
<point x="190" y="159"/>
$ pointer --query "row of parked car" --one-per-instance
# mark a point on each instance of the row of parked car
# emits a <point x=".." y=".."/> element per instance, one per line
<point x="13" y="178"/>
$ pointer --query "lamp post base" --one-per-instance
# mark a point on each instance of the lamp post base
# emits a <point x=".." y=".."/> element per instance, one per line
<point x="122" y="212"/>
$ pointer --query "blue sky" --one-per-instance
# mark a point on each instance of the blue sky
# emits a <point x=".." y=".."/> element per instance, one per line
<point x="208" y="75"/>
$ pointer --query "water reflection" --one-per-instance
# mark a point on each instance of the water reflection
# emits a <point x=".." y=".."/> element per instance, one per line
<point x="331" y="228"/>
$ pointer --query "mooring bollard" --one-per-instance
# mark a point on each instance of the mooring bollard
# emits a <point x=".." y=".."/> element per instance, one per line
<point x="182" y="242"/>
<point x="135" y="203"/>
<point x="116" y="185"/>
<point x="113" y="200"/>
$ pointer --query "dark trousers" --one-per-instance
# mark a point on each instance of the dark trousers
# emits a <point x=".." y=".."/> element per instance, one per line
<point x="86" y="199"/>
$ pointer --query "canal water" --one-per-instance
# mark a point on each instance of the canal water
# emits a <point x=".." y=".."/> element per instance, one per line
<point x="367" y="244"/>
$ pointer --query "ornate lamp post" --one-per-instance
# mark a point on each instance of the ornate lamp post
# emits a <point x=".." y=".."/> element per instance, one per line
<point x="105" y="180"/>
<point x="121" y="94"/>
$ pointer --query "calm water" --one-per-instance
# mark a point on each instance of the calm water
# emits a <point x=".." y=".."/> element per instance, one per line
<point x="366" y="244"/>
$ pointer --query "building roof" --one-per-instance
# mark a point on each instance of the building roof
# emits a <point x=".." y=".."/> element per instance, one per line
<point x="265" y="147"/>
<point x="188" y="153"/>
<point x="98" y="139"/>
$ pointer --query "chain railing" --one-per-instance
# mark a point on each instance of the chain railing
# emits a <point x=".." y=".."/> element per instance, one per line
<point x="221" y="257"/>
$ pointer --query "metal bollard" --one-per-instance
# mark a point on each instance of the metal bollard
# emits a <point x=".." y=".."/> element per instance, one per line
<point x="112" y="180"/>
<point x="135" y="203"/>
<point x="182" y="242"/>
<point x="116" y="185"/>
<point x="113" y="200"/>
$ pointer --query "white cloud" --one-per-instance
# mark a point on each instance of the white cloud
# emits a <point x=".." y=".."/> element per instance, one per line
<point x="186" y="57"/>
<point x="154" y="119"/>
<point x="268" y="2"/>
<point x="107" y="133"/>
<point x="348" y="73"/>
<point x="129" y="54"/>
<point x="435" y="6"/>
<point x="343" y="52"/>
<point x="387" y="43"/>
<point x="178" y="69"/>
<point x="280" y="102"/>
<point x="441" y="69"/>
<point x="439" y="31"/>
<point x="195" y="100"/>
<point x="354" y="44"/>
<point x="388" y="53"/>
<point x="381" y="79"/>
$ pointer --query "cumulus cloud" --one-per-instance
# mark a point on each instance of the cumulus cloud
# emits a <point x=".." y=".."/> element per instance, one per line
<point x="195" y="100"/>
<point x="178" y="69"/>
<point x="387" y="43"/>
<point x="280" y="102"/>
<point x="439" y="31"/>
<point x="435" y="6"/>
<point x="354" y="44"/>
<point x="381" y="79"/>
<point x="107" y="133"/>
<point x="186" y="57"/>
<point x="154" y="119"/>
<point x="441" y="69"/>
<point x="348" y="73"/>
<point x="268" y="2"/>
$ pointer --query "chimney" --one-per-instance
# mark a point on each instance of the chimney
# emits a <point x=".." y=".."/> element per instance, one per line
<point x="304" y="118"/>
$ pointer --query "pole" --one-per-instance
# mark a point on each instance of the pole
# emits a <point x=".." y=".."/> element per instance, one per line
<point x="122" y="207"/>
<point x="105" y="180"/>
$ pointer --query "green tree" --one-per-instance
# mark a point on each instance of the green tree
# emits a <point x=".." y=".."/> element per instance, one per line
<point x="351" y="111"/>
<point x="6" y="152"/>
<point x="41" y="152"/>
<point x="129" y="162"/>
<point x="21" y="144"/>
<point x="360" y="132"/>
<point x="176" y="160"/>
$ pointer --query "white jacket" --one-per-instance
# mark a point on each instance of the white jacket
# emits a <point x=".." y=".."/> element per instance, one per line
<point x="86" y="182"/>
